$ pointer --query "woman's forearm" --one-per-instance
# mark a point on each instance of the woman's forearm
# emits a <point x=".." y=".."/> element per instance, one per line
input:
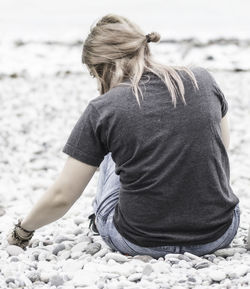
<point x="48" y="209"/>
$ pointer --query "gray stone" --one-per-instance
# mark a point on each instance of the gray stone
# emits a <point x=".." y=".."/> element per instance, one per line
<point x="191" y="280"/>
<point x="211" y="257"/>
<point x="93" y="248"/>
<point x="47" y="242"/>
<point x="10" y="279"/>
<point x="14" y="259"/>
<point x="33" y="276"/>
<point x="56" y="280"/>
<point x="202" y="264"/>
<point x="184" y="257"/>
<point x="34" y="243"/>
<point x="147" y="270"/>
<point x="36" y="255"/>
<point x="14" y="250"/>
<point x="58" y="248"/>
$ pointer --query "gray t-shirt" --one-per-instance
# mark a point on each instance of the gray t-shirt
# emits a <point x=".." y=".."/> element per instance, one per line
<point x="173" y="166"/>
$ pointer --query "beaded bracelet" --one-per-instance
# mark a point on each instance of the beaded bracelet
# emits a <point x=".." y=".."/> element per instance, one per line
<point x="19" y="226"/>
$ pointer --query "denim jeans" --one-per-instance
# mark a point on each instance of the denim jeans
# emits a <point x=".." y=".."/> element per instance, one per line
<point x="104" y="206"/>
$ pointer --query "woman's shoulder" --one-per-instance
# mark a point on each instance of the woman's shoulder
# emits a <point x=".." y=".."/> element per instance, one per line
<point x="202" y="72"/>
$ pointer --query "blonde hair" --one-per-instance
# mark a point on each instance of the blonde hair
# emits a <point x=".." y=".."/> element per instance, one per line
<point x="116" y="49"/>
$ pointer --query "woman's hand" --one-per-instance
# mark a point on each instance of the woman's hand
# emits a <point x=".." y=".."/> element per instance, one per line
<point x="19" y="237"/>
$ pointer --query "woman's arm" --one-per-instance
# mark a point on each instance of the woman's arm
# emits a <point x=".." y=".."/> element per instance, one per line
<point x="60" y="197"/>
<point x="225" y="131"/>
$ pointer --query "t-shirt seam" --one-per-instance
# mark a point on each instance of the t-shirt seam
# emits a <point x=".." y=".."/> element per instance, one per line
<point x="77" y="150"/>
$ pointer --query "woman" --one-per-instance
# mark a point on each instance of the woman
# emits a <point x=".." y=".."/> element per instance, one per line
<point x="160" y="136"/>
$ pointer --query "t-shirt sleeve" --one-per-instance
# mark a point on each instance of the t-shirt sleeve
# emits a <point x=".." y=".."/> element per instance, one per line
<point x="86" y="141"/>
<point x="218" y="92"/>
<point x="221" y="96"/>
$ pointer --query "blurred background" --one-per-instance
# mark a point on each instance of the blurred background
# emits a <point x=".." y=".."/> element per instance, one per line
<point x="44" y="88"/>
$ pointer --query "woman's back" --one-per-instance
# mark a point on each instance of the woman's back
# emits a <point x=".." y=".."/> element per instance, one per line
<point x="173" y="166"/>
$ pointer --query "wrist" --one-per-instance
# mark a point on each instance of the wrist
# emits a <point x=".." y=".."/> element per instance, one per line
<point x="23" y="228"/>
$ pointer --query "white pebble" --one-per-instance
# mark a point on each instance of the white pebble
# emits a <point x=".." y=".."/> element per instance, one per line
<point x="226" y="252"/>
<point x="72" y="265"/>
<point x="14" y="250"/>
<point x="117" y="257"/>
<point x="192" y="256"/>
<point x="135" y="277"/>
<point x="217" y="275"/>
<point x="79" y="247"/>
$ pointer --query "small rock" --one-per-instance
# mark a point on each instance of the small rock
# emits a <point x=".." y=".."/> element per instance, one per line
<point x="14" y="259"/>
<point x="226" y="252"/>
<point x="64" y="255"/>
<point x="33" y="276"/>
<point x="44" y="276"/>
<point x="43" y="256"/>
<point x="76" y="254"/>
<point x="47" y="242"/>
<point x="56" y="280"/>
<point x="25" y="280"/>
<point x="83" y="238"/>
<point x="10" y="279"/>
<point x="80" y="247"/>
<point x="63" y="238"/>
<point x="14" y="250"/>
<point x="116" y="257"/>
<point x="211" y="257"/>
<point x="238" y="271"/>
<point x="202" y="264"/>
<point x="78" y="221"/>
<point x="58" y="248"/>
<point x="192" y="256"/>
<point x="36" y="254"/>
<point x="184" y="257"/>
<point x="144" y="258"/>
<point x="93" y="248"/>
<point x="73" y="265"/>
<point x="77" y="231"/>
<point x="217" y="275"/>
<point x="135" y="277"/>
<point x="147" y="270"/>
<point x="191" y="280"/>
<point x="173" y="260"/>
<point x="34" y="243"/>
<point x="102" y="252"/>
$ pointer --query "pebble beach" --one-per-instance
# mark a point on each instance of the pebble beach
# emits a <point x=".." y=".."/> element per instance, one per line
<point x="43" y="90"/>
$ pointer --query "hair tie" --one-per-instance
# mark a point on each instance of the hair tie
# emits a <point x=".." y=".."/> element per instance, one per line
<point x="148" y="38"/>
